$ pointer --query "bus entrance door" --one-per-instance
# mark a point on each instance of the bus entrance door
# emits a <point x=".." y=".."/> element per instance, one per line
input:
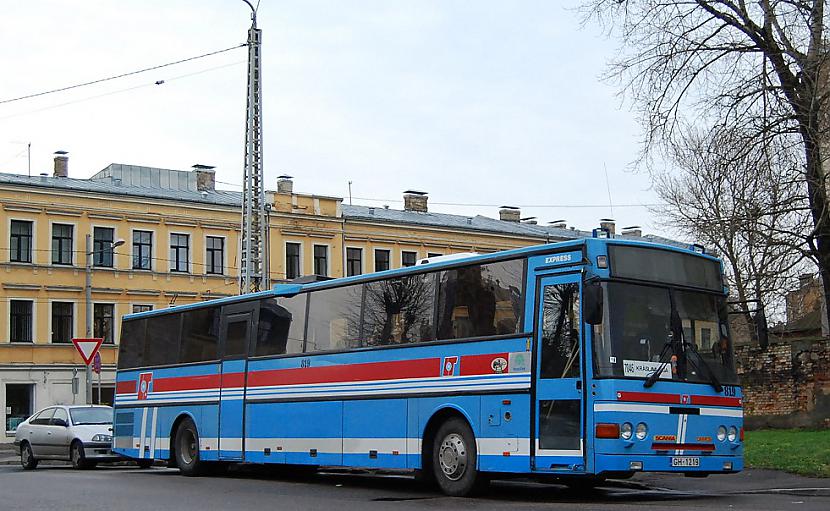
<point x="237" y="329"/>
<point x="558" y="413"/>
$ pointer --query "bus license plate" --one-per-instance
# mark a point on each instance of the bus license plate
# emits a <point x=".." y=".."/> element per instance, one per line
<point x="685" y="461"/>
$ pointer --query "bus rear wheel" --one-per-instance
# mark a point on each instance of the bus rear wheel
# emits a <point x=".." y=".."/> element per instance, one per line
<point x="454" y="459"/>
<point x="187" y="449"/>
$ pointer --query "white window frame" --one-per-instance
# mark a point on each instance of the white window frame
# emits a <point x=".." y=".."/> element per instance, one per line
<point x="346" y="260"/>
<point x="374" y="257"/>
<point x="116" y="321"/>
<point x="114" y="239"/>
<point x="189" y="258"/>
<point x="153" y="248"/>
<point x="9" y="319"/>
<point x="74" y="245"/>
<point x="300" y="267"/>
<point x="8" y="239"/>
<point x="224" y="269"/>
<point x="74" y="331"/>
<point x="410" y="252"/>
<point x="328" y="258"/>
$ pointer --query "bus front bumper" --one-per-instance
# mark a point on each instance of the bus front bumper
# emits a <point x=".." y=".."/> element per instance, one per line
<point x="686" y="464"/>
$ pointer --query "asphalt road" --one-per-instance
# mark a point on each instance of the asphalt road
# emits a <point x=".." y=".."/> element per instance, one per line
<point x="127" y="488"/>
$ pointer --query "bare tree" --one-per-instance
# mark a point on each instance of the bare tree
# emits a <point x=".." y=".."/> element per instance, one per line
<point x="745" y="201"/>
<point x="756" y="68"/>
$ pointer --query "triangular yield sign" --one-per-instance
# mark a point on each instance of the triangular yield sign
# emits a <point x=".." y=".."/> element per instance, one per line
<point x="87" y="348"/>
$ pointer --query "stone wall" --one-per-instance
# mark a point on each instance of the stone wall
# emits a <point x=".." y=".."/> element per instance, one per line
<point x="786" y="385"/>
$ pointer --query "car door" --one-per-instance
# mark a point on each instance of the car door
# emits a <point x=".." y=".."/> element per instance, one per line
<point x="37" y="437"/>
<point x="58" y="434"/>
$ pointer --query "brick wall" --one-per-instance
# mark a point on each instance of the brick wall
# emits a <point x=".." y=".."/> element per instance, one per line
<point x="786" y="385"/>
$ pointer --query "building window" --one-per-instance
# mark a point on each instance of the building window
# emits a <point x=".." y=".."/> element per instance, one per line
<point x="103" y="315"/>
<point x="381" y="260"/>
<point x="321" y="260"/>
<point x="102" y="240"/>
<point x="61" y="244"/>
<point x="408" y="258"/>
<point x="141" y="308"/>
<point x="19" y="400"/>
<point x="142" y="250"/>
<point x="354" y="261"/>
<point x="292" y="260"/>
<point x="20" y="320"/>
<point x="107" y="396"/>
<point x="179" y="250"/>
<point x="215" y="255"/>
<point x="62" y="313"/>
<point x="20" y="243"/>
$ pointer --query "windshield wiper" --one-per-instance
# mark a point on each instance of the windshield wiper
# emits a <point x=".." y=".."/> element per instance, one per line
<point x="713" y="380"/>
<point x="667" y="347"/>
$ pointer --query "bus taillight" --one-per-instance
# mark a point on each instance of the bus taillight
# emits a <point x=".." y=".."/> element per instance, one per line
<point x="608" y="430"/>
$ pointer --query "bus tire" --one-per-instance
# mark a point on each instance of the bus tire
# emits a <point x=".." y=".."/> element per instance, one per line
<point x="454" y="459"/>
<point x="187" y="449"/>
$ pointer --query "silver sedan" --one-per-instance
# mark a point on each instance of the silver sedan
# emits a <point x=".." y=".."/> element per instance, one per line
<point x="80" y="434"/>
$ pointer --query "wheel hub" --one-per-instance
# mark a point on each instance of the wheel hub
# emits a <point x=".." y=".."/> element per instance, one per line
<point x="452" y="456"/>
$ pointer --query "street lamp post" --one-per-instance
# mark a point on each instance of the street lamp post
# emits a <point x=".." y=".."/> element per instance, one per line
<point x="88" y="290"/>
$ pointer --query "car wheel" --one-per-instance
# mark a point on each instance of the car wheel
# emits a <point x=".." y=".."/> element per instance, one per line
<point x="27" y="458"/>
<point x="77" y="456"/>
<point x="454" y="459"/>
<point x="187" y="449"/>
<point x="144" y="463"/>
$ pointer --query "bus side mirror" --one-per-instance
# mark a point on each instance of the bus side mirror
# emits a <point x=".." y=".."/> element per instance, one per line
<point x="761" y="326"/>
<point x="592" y="303"/>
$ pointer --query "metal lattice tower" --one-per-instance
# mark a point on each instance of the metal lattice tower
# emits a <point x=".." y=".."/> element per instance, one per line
<point x="253" y="273"/>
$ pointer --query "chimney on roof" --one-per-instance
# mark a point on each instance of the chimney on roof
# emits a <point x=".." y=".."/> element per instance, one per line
<point x="608" y="225"/>
<point x="531" y="220"/>
<point x="559" y="224"/>
<point x="634" y="230"/>
<point x="510" y="214"/>
<point x="61" y="164"/>
<point x="414" y="200"/>
<point x="285" y="184"/>
<point x="205" y="177"/>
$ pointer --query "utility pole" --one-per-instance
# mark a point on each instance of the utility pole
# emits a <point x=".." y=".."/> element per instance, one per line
<point x="88" y="292"/>
<point x="252" y="274"/>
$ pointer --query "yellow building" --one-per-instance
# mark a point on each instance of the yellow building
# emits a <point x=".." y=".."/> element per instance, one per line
<point x="157" y="237"/>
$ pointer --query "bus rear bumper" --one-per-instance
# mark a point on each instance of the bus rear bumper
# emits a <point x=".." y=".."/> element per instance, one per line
<point x="684" y="464"/>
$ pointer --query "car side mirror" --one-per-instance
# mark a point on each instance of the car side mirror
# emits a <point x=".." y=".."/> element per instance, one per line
<point x="592" y="303"/>
<point x="60" y="422"/>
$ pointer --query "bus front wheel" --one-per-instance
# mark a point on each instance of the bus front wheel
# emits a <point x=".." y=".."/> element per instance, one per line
<point x="187" y="449"/>
<point x="454" y="459"/>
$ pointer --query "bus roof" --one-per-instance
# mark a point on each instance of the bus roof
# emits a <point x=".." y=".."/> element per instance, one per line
<point x="290" y="289"/>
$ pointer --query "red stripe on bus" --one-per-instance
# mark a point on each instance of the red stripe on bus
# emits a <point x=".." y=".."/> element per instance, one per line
<point x="394" y="370"/>
<point x="683" y="447"/>
<point x="207" y="381"/>
<point x="649" y="397"/>
<point x="716" y="401"/>
<point x="125" y="387"/>
<point x="472" y="365"/>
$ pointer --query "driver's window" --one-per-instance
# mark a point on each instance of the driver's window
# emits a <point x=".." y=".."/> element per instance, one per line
<point x="560" y="331"/>
<point x="43" y="417"/>
<point x="60" y="413"/>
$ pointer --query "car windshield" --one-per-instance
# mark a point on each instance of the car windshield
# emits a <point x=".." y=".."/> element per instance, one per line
<point x="91" y="415"/>
<point x="636" y="331"/>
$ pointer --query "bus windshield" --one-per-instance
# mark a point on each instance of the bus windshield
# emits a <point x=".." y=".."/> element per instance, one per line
<point x="636" y="331"/>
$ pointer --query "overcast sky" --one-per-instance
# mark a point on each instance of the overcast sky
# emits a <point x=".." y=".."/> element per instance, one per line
<point x="476" y="102"/>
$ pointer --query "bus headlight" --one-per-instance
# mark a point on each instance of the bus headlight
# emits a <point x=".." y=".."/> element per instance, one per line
<point x="626" y="430"/>
<point x="642" y="431"/>
<point x="721" y="433"/>
<point x="733" y="433"/>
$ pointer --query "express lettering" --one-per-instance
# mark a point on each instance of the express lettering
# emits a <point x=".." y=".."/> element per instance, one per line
<point x="562" y="258"/>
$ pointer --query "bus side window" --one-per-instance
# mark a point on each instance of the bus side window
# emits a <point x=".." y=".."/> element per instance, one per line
<point x="399" y="311"/>
<point x="281" y="325"/>
<point x="334" y="318"/>
<point x="131" y="349"/>
<point x="560" y="331"/>
<point x="200" y="334"/>
<point x="162" y="343"/>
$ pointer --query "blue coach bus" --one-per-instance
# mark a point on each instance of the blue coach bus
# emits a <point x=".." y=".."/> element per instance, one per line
<point x="576" y="361"/>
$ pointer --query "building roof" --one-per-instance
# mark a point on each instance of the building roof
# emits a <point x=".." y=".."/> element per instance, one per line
<point x="149" y="182"/>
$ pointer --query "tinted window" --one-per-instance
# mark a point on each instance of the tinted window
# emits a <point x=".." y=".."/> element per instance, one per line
<point x="61" y="414"/>
<point x="665" y="266"/>
<point x="162" y="341"/>
<point x="281" y="325"/>
<point x="131" y="351"/>
<point x="334" y="318"/>
<point x="236" y="335"/>
<point x="200" y="335"/>
<point x="399" y="311"/>
<point x="481" y="300"/>
<point x="43" y="417"/>
<point x="560" y="331"/>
